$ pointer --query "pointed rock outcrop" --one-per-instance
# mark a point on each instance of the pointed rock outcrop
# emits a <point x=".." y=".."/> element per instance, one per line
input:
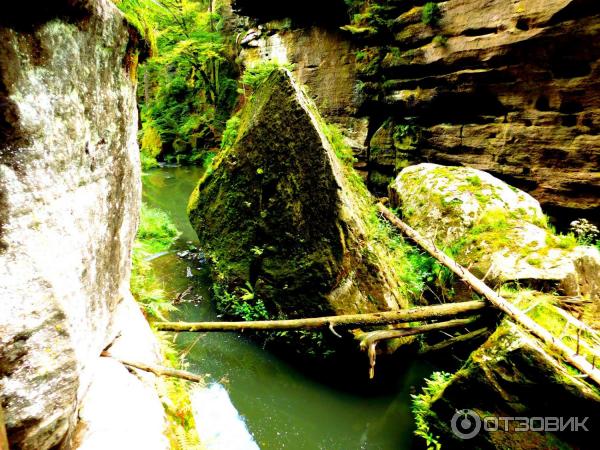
<point x="286" y="222"/>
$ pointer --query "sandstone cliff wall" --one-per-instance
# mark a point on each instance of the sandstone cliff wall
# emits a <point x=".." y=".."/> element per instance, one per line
<point x="69" y="201"/>
<point x="505" y="86"/>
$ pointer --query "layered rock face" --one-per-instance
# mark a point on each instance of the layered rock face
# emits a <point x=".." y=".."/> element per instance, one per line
<point x="69" y="196"/>
<point x="509" y="87"/>
<point x="279" y="216"/>
<point x="323" y="60"/>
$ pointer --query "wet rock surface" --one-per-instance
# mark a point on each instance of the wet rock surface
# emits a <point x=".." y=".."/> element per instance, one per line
<point x="498" y="231"/>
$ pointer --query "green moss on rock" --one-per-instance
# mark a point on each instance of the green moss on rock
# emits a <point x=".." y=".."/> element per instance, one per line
<point x="278" y="210"/>
<point x="498" y="231"/>
<point x="512" y="375"/>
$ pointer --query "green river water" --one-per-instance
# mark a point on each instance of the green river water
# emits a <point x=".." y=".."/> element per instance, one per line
<point x="281" y="406"/>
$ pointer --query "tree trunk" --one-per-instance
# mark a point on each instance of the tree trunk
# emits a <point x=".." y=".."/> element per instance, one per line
<point x="158" y="370"/>
<point x="369" y="340"/>
<point x="380" y="318"/>
<point x="371" y="337"/>
<point x="508" y="308"/>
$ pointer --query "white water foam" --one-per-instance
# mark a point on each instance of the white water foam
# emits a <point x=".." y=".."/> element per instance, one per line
<point x="219" y="425"/>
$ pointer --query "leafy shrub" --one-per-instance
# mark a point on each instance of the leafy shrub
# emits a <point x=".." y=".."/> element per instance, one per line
<point x="231" y="132"/>
<point x="240" y="304"/>
<point x="147" y="161"/>
<point x="431" y="14"/>
<point x="421" y="407"/>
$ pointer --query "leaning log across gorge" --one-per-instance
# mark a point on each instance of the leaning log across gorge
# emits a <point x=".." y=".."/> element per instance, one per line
<point x="505" y="306"/>
<point x="418" y="314"/>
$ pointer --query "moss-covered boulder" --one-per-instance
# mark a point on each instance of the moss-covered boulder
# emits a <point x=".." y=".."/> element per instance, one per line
<point x="514" y="375"/>
<point x="286" y="222"/>
<point x="445" y="203"/>
<point x="495" y="229"/>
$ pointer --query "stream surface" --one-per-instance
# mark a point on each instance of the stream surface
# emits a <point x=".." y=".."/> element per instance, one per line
<point x="278" y="405"/>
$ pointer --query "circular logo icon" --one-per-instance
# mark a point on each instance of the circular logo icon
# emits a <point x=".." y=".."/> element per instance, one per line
<point x="465" y="424"/>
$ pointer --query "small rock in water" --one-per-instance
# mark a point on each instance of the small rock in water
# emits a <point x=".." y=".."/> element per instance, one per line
<point x="183" y="254"/>
<point x="189" y="273"/>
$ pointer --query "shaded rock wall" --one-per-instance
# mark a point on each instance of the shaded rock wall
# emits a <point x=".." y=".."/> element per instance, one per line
<point x="509" y="87"/>
<point x="69" y="201"/>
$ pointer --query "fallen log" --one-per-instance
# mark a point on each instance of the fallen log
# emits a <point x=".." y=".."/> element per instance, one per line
<point x="380" y="318"/>
<point x="371" y="337"/>
<point x="505" y="306"/>
<point x="369" y="340"/>
<point x="158" y="370"/>
<point x="455" y="340"/>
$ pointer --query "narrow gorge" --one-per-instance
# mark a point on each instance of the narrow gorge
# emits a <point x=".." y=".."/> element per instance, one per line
<point x="242" y="224"/>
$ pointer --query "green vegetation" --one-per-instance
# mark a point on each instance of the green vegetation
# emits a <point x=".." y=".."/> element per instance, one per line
<point x="369" y="19"/>
<point x="242" y="303"/>
<point x="369" y="60"/>
<point x="563" y="241"/>
<point x="412" y="269"/>
<point x="545" y="310"/>
<point x="231" y="132"/>
<point x="151" y="146"/>
<point x="431" y="14"/>
<point x="439" y="40"/>
<point x="175" y="396"/>
<point x="187" y="88"/>
<point x="255" y="75"/>
<point x="585" y="232"/>
<point x="156" y="234"/>
<point x="421" y="403"/>
<point x="406" y="136"/>
<point x="341" y="149"/>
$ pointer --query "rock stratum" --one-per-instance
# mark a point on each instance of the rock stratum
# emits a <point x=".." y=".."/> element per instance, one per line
<point x="69" y="202"/>
<point x="509" y="87"/>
